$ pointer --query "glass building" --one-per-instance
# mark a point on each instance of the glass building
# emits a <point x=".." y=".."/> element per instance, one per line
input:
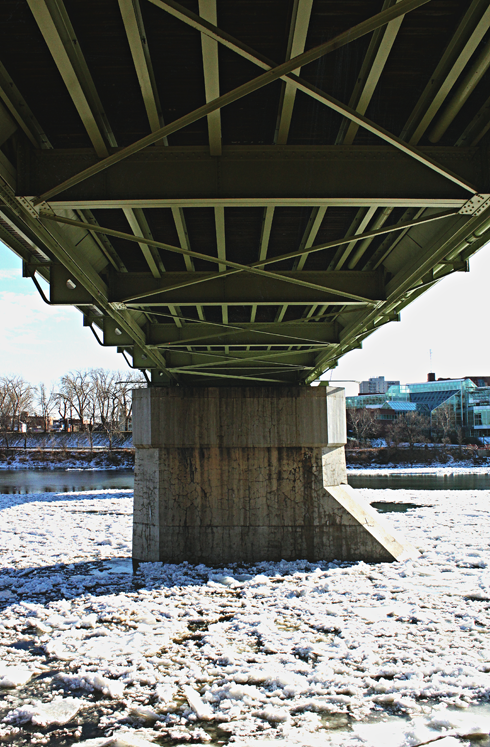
<point x="469" y="403"/>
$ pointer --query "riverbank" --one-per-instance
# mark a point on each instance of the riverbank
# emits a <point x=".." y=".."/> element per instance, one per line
<point x="428" y="455"/>
<point x="101" y="457"/>
<point x="289" y="653"/>
<point x="55" y="459"/>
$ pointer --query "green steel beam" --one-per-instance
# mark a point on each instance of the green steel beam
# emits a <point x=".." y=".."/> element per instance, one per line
<point x="138" y="44"/>
<point x="294" y="279"/>
<point x="59" y="35"/>
<point x="298" y="31"/>
<point x="246" y="289"/>
<point x="210" y="64"/>
<point x="202" y="333"/>
<point x="20" y="111"/>
<point x="465" y="41"/>
<point x="467" y="235"/>
<point x="373" y="65"/>
<point x="265" y="79"/>
<point x="356" y="118"/>
<point x="255" y="266"/>
<point x="267" y="175"/>
<point x="56" y="246"/>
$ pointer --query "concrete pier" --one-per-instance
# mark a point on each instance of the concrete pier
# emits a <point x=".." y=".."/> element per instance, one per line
<point x="229" y="474"/>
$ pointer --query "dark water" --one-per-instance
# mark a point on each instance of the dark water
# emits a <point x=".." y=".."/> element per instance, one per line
<point x="63" y="481"/>
<point x="421" y="482"/>
<point x="385" y="507"/>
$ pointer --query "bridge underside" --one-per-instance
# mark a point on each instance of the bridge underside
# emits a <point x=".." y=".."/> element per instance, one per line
<point x="236" y="194"/>
<point x="225" y="219"/>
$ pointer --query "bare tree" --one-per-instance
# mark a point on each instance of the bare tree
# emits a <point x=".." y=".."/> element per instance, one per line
<point x="106" y="395"/>
<point x="363" y="424"/>
<point x="5" y="413"/>
<point x="443" y="422"/>
<point x="46" y="401"/>
<point x="112" y="392"/>
<point x="63" y="408"/>
<point x="460" y="439"/>
<point x="127" y="383"/>
<point x="76" y="391"/>
<point x="411" y="428"/>
<point x="21" y="395"/>
<point x="16" y="396"/>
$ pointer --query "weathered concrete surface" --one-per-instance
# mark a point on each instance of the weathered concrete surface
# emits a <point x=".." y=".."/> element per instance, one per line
<point x="246" y="474"/>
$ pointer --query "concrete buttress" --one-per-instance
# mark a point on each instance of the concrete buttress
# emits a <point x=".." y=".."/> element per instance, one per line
<point x="230" y="474"/>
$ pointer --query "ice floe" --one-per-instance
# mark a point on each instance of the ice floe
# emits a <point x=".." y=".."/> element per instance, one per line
<point x="288" y="653"/>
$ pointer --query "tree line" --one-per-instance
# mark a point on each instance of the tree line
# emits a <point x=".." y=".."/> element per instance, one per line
<point x="95" y="398"/>
<point x="411" y="427"/>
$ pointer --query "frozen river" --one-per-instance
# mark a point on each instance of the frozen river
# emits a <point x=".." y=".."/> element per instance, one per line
<point x="289" y="653"/>
<point x="66" y="481"/>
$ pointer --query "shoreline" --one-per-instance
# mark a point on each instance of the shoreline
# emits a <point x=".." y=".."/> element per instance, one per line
<point x="359" y="461"/>
<point x="66" y="459"/>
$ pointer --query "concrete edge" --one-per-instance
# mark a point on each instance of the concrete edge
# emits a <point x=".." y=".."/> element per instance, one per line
<point x="373" y="523"/>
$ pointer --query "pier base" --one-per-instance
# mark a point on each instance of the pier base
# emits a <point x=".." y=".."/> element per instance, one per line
<point x="244" y="474"/>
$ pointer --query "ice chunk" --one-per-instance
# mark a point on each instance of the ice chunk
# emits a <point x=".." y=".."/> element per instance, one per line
<point x="123" y="739"/>
<point x="274" y="715"/>
<point x="14" y="676"/>
<point x="88" y="621"/>
<point x="43" y="714"/>
<point x="201" y="709"/>
<point x="224" y="580"/>
<point x="110" y="688"/>
<point x="145" y="713"/>
<point x="39" y="626"/>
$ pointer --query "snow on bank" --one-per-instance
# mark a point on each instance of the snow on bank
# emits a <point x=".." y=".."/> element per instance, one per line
<point x="275" y="653"/>
<point x="98" y="460"/>
<point x="435" y="469"/>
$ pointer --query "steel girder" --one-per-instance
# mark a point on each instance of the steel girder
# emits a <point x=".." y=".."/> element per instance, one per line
<point x="165" y="318"/>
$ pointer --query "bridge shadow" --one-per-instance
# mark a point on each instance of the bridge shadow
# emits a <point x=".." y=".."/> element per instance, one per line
<point x="53" y="583"/>
<point x="17" y="499"/>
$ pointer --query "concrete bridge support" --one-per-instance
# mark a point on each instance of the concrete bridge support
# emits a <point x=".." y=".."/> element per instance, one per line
<point x="229" y="474"/>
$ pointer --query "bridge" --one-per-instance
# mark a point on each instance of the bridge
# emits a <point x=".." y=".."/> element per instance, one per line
<point x="235" y="195"/>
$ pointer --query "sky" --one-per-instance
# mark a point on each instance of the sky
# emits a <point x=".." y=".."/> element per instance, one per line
<point x="41" y="342"/>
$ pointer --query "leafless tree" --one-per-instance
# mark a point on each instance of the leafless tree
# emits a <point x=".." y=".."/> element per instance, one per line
<point x="46" y="401"/>
<point x="112" y="392"/>
<point x="460" y="438"/>
<point x="410" y="428"/>
<point x="76" y="391"/>
<point x="63" y="408"/>
<point x="363" y="424"/>
<point x="21" y="395"/>
<point x="5" y="413"/>
<point x="16" y="396"/>
<point x="443" y="422"/>
<point x="105" y="397"/>
<point x="127" y="383"/>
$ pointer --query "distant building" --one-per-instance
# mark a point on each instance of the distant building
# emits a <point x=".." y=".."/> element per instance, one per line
<point x="468" y="398"/>
<point x="376" y="385"/>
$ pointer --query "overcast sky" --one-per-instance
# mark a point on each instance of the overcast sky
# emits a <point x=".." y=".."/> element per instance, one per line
<point x="42" y="342"/>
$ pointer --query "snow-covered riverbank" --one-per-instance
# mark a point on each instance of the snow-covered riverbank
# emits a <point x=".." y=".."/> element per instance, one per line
<point x="278" y="653"/>
<point x="437" y="469"/>
<point x="38" y="459"/>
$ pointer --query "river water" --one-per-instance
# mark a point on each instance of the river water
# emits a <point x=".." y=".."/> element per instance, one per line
<point x="421" y="481"/>
<point x="67" y="481"/>
<point x="64" y="481"/>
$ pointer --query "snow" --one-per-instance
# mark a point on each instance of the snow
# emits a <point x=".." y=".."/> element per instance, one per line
<point x="13" y="676"/>
<point x="440" y="469"/>
<point x="59" y="711"/>
<point x="287" y="653"/>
